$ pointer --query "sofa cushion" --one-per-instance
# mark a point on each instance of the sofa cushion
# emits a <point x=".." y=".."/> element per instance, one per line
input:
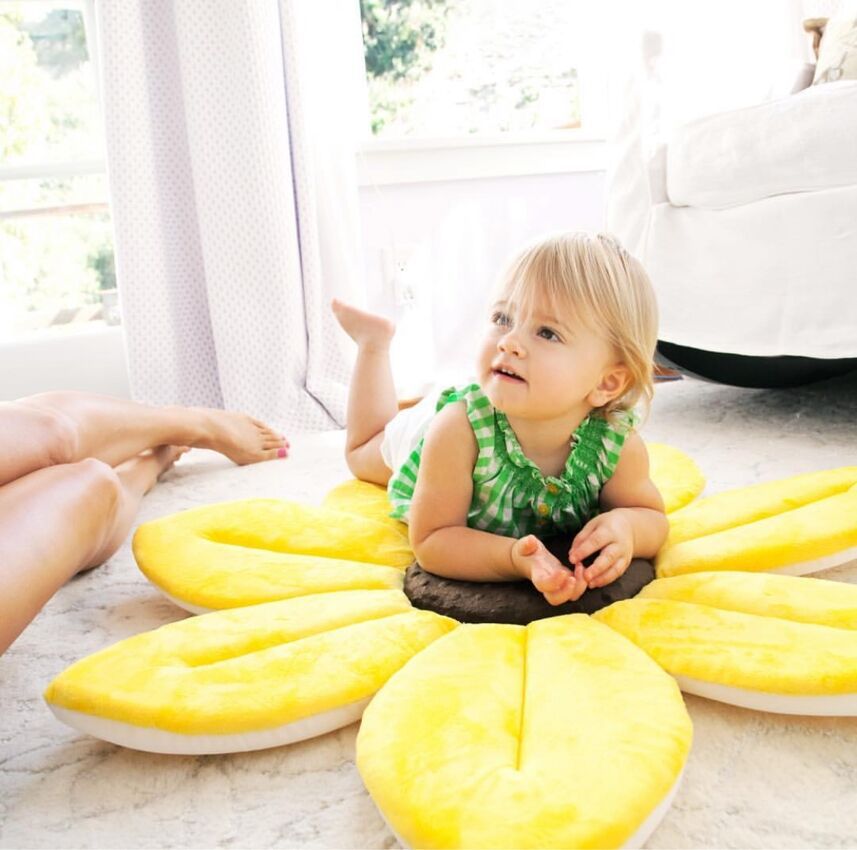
<point x="800" y="143"/>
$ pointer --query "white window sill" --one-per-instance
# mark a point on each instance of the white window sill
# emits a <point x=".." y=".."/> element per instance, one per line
<point x="91" y="359"/>
<point x="384" y="163"/>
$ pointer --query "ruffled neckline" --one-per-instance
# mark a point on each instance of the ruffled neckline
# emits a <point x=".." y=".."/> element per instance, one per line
<point x="585" y="445"/>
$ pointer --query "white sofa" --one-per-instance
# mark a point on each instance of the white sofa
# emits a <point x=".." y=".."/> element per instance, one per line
<point x="751" y="239"/>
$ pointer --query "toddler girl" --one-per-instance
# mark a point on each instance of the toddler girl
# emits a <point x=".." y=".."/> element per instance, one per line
<point x="543" y="443"/>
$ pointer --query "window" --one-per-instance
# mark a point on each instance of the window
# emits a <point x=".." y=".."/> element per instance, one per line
<point x="56" y="247"/>
<point x="459" y="68"/>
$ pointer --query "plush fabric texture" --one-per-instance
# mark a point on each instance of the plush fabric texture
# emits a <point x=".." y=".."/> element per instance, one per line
<point x="725" y="189"/>
<point x="801" y="524"/>
<point x="798" y="143"/>
<point x="517" y="602"/>
<point x="756" y="643"/>
<point x="251" y="669"/>
<point x="258" y="550"/>
<point x="837" y="53"/>
<point x="367" y="500"/>
<point x="558" y="734"/>
<point x="675" y="474"/>
<point x="828" y="603"/>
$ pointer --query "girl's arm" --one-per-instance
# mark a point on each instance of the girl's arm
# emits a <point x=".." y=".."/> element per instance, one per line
<point x="439" y="535"/>
<point x="633" y="523"/>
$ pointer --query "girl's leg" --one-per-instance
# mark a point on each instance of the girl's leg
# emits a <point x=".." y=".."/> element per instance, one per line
<point x="64" y="427"/>
<point x="60" y="520"/>
<point x="372" y="394"/>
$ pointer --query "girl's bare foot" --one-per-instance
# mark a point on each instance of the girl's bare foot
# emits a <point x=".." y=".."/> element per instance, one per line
<point x="368" y="330"/>
<point x="554" y="581"/>
<point x="240" y="437"/>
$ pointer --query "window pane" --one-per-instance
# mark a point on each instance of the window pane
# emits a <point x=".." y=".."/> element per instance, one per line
<point x="456" y="67"/>
<point x="56" y="267"/>
<point x="48" y="99"/>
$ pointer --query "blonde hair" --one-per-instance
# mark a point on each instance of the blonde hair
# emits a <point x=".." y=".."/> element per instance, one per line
<point x="608" y="290"/>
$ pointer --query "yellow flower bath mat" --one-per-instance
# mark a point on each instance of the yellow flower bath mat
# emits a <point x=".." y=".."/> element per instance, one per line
<point x="795" y="525"/>
<point x="245" y="679"/>
<point x="770" y="642"/>
<point x="258" y="550"/>
<point x="557" y="734"/>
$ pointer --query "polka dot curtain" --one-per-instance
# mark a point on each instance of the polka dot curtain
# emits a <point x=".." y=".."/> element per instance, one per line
<point x="234" y="201"/>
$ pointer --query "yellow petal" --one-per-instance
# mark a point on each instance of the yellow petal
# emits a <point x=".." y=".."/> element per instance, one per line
<point x="795" y="525"/>
<point x="558" y="734"/>
<point x="368" y="500"/>
<point x="675" y="474"/>
<point x="825" y="603"/>
<point x="209" y="683"/>
<point x="258" y="550"/>
<point x="753" y="648"/>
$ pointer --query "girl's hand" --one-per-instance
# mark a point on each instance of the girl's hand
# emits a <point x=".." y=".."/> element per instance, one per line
<point x="554" y="581"/>
<point x="613" y="534"/>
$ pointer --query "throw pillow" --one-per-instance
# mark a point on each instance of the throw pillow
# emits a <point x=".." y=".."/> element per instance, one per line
<point x="837" y="54"/>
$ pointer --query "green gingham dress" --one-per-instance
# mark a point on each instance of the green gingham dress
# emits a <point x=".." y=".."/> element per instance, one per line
<point x="511" y="496"/>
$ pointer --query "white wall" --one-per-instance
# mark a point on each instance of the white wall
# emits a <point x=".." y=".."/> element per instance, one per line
<point x="457" y="237"/>
<point x="92" y="360"/>
<point x="459" y="234"/>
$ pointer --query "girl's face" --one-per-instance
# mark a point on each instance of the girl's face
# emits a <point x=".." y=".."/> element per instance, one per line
<point x="546" y="364"/>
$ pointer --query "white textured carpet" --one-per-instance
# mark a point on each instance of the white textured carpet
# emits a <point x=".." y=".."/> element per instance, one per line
<point x="752" y="780"/>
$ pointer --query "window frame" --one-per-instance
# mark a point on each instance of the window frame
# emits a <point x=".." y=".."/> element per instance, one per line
<point x="398" y="161"/>
<point x="40" y="349"/>
<point x="64" y="168"/>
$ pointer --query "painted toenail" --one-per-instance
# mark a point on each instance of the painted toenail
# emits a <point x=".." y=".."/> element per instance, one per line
<point x="281" y="452"/>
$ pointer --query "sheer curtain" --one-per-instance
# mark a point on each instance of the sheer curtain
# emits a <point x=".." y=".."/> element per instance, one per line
<point x="231" y="127"/>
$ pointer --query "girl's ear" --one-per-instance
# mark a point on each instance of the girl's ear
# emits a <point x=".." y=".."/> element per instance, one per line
<point x="612" y="384"/>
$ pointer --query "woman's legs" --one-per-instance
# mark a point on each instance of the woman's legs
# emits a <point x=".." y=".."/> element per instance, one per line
<point x="372" y="395"/>
<point x="136" y="477"/>
<point x="62" y="519"/>
<point x="65" y="427"/>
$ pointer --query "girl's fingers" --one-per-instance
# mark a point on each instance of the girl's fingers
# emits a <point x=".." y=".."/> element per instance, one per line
<point x="596" y="540"/>
<point x="557" y="597"/>
<point x="575" y="587"/>
<point x="564" y="591"/>
<point x="528" y="545"/>
<point x="611" y="574"/>
<point x="581" y="537"/>
<point x="579" y="585"/>
<point x="609" y="555"/>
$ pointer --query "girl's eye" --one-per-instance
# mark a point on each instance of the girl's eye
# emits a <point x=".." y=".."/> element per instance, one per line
<point x="500" y="319"/>
<point x="547" y="333"/>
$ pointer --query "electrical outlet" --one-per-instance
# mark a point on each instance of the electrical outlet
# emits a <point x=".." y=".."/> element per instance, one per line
<point x="399" y="273"/>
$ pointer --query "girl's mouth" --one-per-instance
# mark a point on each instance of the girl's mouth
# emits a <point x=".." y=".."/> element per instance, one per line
<point x="508" y="375"/>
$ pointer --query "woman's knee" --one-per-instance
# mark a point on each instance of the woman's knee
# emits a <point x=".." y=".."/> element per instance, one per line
<point x="101" y="486"/>
<point x="56" y="431"/>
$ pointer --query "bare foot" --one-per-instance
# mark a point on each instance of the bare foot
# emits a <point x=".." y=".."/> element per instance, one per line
<point x="554" y="581"/>
<point x="240" y="437"/>
<point x="140" y="473"/>
<point x="366" y="329"/>
<point x="166" y="456"/>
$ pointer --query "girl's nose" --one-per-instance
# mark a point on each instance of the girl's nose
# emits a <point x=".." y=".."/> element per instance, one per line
<point x="509" y="343"/>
